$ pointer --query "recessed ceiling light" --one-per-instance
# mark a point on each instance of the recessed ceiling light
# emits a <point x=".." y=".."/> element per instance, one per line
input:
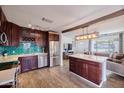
<point x="29" y="25"/>
<point x="33" y="27"/>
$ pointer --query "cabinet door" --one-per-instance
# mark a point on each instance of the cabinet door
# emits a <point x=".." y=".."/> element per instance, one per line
<point x="94" y="73"/>
<point x="28" y="63"/>
<point x="78" y="67"/>
<point x="15" y="35"/>
<point x="72" y="64"/>
<point x="25" y="64"/>
<point x="40" y="38"/>
<point x="53" y="37"/>
<point x="40" y="61"/>
<point x="45" y="38"/>
<point x="45" y="61"/>
<point x="83" y="69"/>
<point x="56" y="37"/>
<point x="99" y="75"/>
<point x="34" y="62"/>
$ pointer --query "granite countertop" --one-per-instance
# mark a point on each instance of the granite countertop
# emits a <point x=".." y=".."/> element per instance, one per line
<point x="94" y="58"/>
<point x="15" y="57"/>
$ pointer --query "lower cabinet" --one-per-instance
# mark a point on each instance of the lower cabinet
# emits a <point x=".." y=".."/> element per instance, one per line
<point x="42" y="61"/>
<point x="28" y="63"/>
<point x="94" y="73"/>
<point x="86" y="69"/>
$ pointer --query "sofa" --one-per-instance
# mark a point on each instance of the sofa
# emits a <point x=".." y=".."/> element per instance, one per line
<point x="116" y="64"/>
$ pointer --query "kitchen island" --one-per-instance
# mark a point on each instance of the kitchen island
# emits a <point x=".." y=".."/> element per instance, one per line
<point x="89" y="67"/>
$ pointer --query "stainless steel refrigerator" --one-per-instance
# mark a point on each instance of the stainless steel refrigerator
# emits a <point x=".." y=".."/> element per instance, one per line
<point x="54" y="53"/>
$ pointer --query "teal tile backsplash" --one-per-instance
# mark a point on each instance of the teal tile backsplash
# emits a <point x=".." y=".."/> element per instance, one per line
<point x="23" y="48"/>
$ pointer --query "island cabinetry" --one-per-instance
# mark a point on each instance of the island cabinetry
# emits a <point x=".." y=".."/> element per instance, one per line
<point x="94" y="72"/>
<point x="78" y="67"/>
<point x="87" y="69"/>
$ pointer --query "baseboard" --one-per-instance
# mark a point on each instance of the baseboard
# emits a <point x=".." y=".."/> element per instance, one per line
<point x="88" y="82"/>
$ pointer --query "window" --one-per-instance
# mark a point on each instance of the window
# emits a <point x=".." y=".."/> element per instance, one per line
<point x="107" y="43"/>
<point x="81" y="46"/>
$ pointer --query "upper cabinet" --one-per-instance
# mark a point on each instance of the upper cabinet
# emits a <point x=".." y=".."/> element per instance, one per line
<point x="32" y="35"/>
<point x="15" y="35"/>
<point x="27" y="34"/>
<point x="40" y="38"/>
<point x="53" y="36"/>
<point x="10" y="34"/>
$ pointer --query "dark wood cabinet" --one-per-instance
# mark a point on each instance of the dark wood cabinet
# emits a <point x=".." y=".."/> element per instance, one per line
<point x="56" y="37"/>
<point x="37" y="36"/>
<point x="27" y="34"/>
<point x="78" y="67"/>
<point x="53" y="36"/>
<point x="12" y="32"/>
<point x="5" y="40"/>
<point x="94" y="73"/>
<point x="15" y="35"/>
<point x="87" y="69"/>
<point x="40" y="38"/>
<point x="72" y="66"/>
<point x="25" y="64"/>
<point x="28" y="63"/>
<point x="34" y="62"/>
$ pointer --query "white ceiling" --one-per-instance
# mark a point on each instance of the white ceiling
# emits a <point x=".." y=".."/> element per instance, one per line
<point x="63" y="16"/>
<point x="104" y="27"/>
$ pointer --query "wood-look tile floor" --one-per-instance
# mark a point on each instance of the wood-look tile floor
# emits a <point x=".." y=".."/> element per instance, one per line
<point x="60" y="77"/>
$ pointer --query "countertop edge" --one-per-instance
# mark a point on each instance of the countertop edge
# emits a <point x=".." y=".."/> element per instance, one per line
<point x="87" y="57"/>
<point x="15" y="57"/>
